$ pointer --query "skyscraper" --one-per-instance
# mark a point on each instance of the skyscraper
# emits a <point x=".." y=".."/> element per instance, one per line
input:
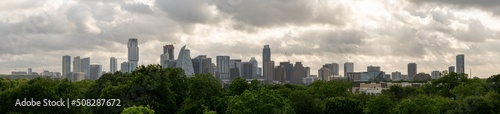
<point x="334" y="68"/>
<point x="77" y="64"/>
<point x="255" y="68"/>
<point x="95" y="71"/>
<point x="248" y="71"/>
<point x="164" y="60"/>
<point x="223" y="67"/>
<point x="184" y="61"/>
<point x="451" y="69"/>
<point x="348" y="67"/>
<point x="85" y="67"/>
<point x="266" y="53"/>
<point x="324" y="74"/>
<point x="288" y="69"/>
<point x="202" y="64"/>
<point x="133" y="54"/>
<point x="66" y="67"/>
<point x="235" y="63"/>
<point x="112" y="65"/>
<point x="124" y="67"/>
<point x="396" y="76"/>
<point x="279" y="74"/>
<point x="460" y="67"/>
<point x="169" y="49"/>
<point x="299" y="72"/>
<point x="435" y="74"/>
<point x="412" y="70"/>
<point x="268" y="71"/>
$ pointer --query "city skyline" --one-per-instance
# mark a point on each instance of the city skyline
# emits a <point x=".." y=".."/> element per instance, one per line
<point x="389" y="34"/>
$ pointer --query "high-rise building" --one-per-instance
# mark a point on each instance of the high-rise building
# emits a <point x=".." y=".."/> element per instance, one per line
<point x="235" y="63"/>
<point x="184" y="61"/>
<point x="412" y="70"/>
<point x="124" y="67"/>
<point x="460" y="63"/>
<point x="95" y="71"/>
<point x="202" y="64"/>
<point x="77" y="64"/>
<point x="334" y="68"/>
<point x="164" y="60"/>
<point x="435" y="74"/>
<point x="247" y="70"/>
<point x="133" y="54"/>
<point x="268" y="68"/>
<point x="348" y="67"/>
<point x="77" y="76"/>
<point x="113" y="65"/>
<point x="30" y="72"/>
<point x="373" y="68"/>
<point x="255" y="68"/>
<point x="324" y="74"/>
<point x="279" y="74"/>
<point x="451" y="69"/>
<point x="66" y="67"/>
<point x="299" y="72"/>
<point x="85" y="67"/>
<point x="308" y="71"/>
<point x="396" y="76"/>
<point x="266" y="53"/>
<point x="223" y="67"/>
<point x="288" y="69"/>
<point x="169" y="49"/>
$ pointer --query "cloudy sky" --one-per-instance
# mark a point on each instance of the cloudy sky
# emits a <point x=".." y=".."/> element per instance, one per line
<point x="387" y="33"/>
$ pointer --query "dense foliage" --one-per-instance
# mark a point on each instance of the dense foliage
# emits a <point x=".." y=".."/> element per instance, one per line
<point x="152" y="89"/>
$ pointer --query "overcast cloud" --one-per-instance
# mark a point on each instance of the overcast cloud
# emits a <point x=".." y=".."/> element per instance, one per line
<point x="388" y="33"/>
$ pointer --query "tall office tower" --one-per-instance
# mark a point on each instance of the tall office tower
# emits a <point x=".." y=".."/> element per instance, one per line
<point x="66" y="67"/>
<point x="169" y="49"/>
<point x="324" y="74"/>
<point x="334" y="68"/>
<point x="373" y="68"/>
<point x="85" y="67"/>
<point x="235" y="63"/>
<point x="348" y="67"/>
<point x="267" y="68"/>
<point x="451" y="69"/>
<point x="95" y="71"/>
<point x="124" y="67"/>
<point x="460" y="63"/>
<point x="412" y="70"/>
<point x="299" y="72"/>
<point x="133" y="54"/>
<point x="77" y="64"/>
<point x="279" y="74"/>
<point x="184" y="61"/>
<point x="435" y="74"/>
<point x="266" y="53"/>
<point x="202" y="64"/>
<point x="77" y="76"/>
<point x="30" y="71"/>
<point x="164" y="60"/>
<point x="247" y="70"/>
<point x="396" y="76"/>
<point x="223" y="67"/>
<point x="113" y="65"/>
<point x="308" y="71"/>
<point x="268" y="71"/>
<point x="255" y="68"/>
<point x="289" y="70"/>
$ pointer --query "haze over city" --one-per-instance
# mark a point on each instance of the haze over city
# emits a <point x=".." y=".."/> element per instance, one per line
<point x="389" y="34"/>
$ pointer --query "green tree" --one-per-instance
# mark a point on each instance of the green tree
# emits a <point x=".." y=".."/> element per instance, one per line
<point x="238" y="86"/>
<point x="446" y="83"/>
<point x="478" y="105"/>
<point x="342" y="105"/>
<point x="304" y="103"/>
<point x="203" y="90"/>
<point x="138" y="110"/>
<point x="381" y="104"/>
<point x="262" y="101"/>
<point x="469" y="89"/>
<point x="494" y="82"/>
<point x="323" y="90"/>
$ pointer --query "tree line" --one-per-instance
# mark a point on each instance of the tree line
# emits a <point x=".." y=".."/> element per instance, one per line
<point x="152" y="89"/>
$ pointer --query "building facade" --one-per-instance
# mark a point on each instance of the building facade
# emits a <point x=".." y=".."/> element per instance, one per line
<point x="223" y="67"/>
<point x="412" y="70"/>
<point x="66" y="67"/>
<point x="324" y="74"/>
<point x="133" y="54"/>
<point x="184" y="61"/>
<point x="113" y="65"/>
<point x="95" y="71"/>
<point x="299" y="72"/>
<point x="348" y="67"/>
<point x="460" y="67"/>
